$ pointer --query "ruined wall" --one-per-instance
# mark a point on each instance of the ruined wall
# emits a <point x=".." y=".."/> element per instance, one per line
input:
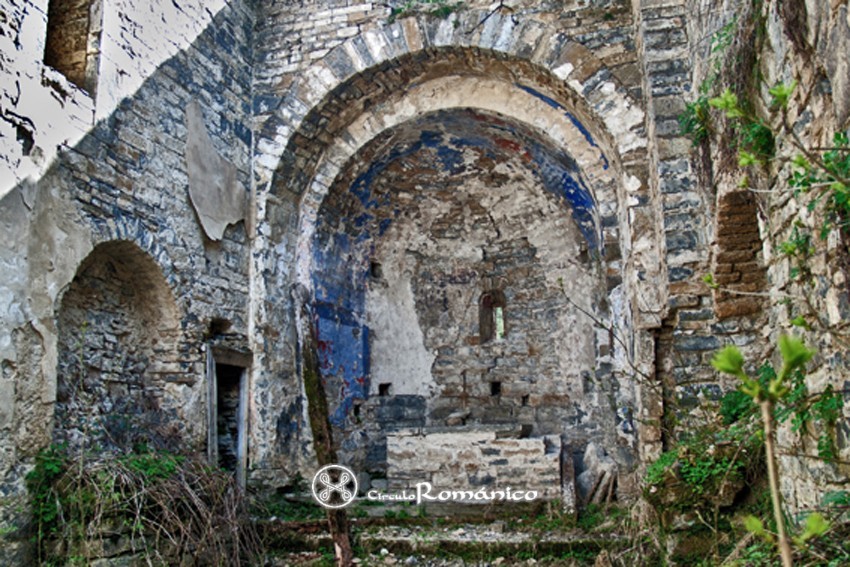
<point x="568" y="69"/>
<point x="472" y="459"/>
<point x="324" y="81"/>
<point x="119" y="199"/>
<point x="448" y="217"/>
<point x="781" y="42"/>
<point x="123" y="43"/>
<point x="825" y="28"/>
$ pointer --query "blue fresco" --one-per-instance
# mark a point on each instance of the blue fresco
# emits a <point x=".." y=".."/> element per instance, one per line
<point x="570" y="116"/>
<point x="343" y="242"/>
<point x="343" y="346"/>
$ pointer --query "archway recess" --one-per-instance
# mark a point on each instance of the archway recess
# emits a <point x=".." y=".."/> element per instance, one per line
<point x="422" y="221"/>
<point x="391" y="95"/>
<point x="118" y="329"/>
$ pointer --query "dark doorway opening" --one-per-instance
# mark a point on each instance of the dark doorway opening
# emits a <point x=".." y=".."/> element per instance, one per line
<point x="227" y="425"/>
<point x="228" y="394"/>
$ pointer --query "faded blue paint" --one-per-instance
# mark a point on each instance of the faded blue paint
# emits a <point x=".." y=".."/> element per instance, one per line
<point x="343" y="345"/>
<point x="572" y="118"/>
<point x="343" y="245"/>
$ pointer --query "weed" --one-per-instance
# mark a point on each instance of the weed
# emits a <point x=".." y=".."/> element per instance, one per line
<point x="591" y="517"/>
<point x="166" y="504"/>
<point x="436" y="8"/>
<point x="695" y="120"/>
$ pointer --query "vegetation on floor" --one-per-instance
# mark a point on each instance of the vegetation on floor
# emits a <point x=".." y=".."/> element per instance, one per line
<point x="147" y="504"/>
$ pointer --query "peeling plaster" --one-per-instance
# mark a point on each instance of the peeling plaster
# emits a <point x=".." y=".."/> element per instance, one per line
<point x="218" y="197"/>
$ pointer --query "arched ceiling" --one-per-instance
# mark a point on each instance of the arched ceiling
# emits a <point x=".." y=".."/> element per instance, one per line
<point x="438" y="151"/>
<point x="371" y="90"/>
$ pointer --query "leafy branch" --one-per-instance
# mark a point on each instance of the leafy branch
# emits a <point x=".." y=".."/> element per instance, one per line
<point x="768" y="394"/>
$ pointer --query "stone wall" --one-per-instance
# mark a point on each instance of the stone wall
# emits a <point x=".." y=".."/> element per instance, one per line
<point x="471" y="459"/>
<point x="310" y="126"/>
<point x="255" y="169"/>
<point x="108" y="272"/>
<point x="785" y="42"/>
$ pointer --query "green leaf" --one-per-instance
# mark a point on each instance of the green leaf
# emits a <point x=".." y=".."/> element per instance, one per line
<point x="801" y="162"/>
<point x="781" y="93"/>
<point x="816" y="525"/>
<point x="709" y="281"/>
<point x="800" y="321"/>
<point x="729" y="360"/>
<point x="752" y="389"/>
<point x="754" y="525"/>
<point x="727" y="101"/>
<point x="745" y="159"/>
<point x="794" y="352"/>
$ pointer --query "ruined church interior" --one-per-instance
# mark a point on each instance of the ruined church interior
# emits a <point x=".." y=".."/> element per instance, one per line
<point x="587" y="254"/>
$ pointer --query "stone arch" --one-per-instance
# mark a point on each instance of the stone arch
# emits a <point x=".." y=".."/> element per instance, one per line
<point x="118" y="331"/>
<point x="546" y="67"/>
<point x="133" y="230"/>
<point x="388" y="77"/>
<point x="575" y="74"/>
<point x="491" y="204"/>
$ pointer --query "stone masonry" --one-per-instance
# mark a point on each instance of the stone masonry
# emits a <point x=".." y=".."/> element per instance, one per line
<point x="184" y="179"/>
<point x="472" y="460"/>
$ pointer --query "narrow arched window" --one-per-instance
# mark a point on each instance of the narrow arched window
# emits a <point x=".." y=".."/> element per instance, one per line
<point x="491" y="316"/>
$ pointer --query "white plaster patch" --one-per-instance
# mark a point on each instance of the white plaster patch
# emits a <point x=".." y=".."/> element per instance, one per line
<point x="563" y="71"/>
<point x="399" y="356"/>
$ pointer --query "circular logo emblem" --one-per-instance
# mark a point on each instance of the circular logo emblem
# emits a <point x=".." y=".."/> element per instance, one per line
<point x="334" y="486"/>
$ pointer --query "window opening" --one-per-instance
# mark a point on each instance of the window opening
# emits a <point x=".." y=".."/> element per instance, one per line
<point x="66" y="48"/>
<point x="491" y="316"/>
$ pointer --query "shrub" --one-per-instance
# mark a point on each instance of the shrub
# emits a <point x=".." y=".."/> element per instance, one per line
<point x="166" y="507"/>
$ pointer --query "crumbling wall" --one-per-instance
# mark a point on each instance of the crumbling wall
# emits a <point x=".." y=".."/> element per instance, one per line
<point x="50" y="98"/>
<point x="470" y="459"/>
<point x="787" y="41"/>
<point x="124" y="183"/>
<point x="491" y="207"/>
<point x="553" y="70"/>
